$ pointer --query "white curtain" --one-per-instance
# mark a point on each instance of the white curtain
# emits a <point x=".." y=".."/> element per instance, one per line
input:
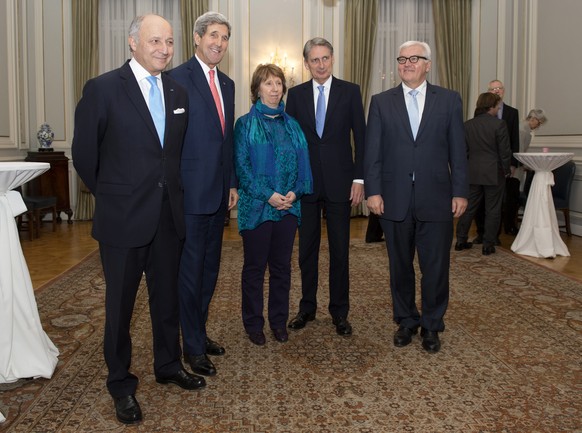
<point x="115" y="16"/>
<point x="400" y="21"/>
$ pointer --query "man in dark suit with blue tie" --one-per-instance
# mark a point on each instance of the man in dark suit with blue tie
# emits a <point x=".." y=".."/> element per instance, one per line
<point x="209" y="183"/>
<point x="415" y="168"/>
<point x="329" y="111"/>
<point x="126" y="149"/>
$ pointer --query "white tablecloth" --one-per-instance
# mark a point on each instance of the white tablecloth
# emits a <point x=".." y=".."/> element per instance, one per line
<point x="539" y="234"/>
<point x="25" y="349"/>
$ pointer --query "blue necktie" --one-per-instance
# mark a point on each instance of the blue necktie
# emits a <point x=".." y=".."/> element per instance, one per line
<point x="157" y="108"/>
<point x="320" y="113"/>
<point x="413" y="113"/>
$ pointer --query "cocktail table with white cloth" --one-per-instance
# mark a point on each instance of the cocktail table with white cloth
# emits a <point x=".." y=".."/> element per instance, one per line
<point x="539" y="234"/>
<point x="25" y="349"/>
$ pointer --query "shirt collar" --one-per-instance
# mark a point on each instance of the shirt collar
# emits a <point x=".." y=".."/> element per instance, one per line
<point x="139" y="71"/>
<point x="205" y="67"/>
<point x="421" y="89"/>
<point x="327" y="84"/>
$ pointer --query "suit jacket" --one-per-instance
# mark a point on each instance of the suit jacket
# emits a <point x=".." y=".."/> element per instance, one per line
<point x="333" y="163"/>
<point x="511" y="117"/>
<point x="207" y="156"/>
<point x="488" y="149"/>
<point x="118" y="155"/>
<point x="437" y="158"/>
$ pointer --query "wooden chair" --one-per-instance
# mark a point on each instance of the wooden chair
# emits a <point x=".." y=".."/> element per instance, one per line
<point x="563" y="179"/>
<point x="37" y="207"/>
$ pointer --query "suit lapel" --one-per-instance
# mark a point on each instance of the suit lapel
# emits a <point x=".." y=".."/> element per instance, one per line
<point x="227" y="98"/>
<point x="136" y="97"/>
<point x="429" y="104"/>
<point x="399" y="100"/>
<point x="169" y="97"/>
<point x="200" y="82"/>
<point x="334" y="97"/>
<point x="307" y="99"/>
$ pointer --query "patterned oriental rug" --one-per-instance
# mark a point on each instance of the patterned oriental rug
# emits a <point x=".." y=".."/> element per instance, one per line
<point x="511" y="359"/>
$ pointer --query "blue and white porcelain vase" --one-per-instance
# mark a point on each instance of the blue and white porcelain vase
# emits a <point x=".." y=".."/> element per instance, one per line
<point x="45" y="136"/>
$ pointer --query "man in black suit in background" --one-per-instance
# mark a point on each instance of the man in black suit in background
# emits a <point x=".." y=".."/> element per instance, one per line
<point x="126" y="149"/>
<point x="328" y="122"/>
<point x="511" y="197"/>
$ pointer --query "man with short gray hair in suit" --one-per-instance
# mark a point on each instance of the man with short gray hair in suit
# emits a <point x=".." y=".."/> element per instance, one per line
<point x="415" y="168"/>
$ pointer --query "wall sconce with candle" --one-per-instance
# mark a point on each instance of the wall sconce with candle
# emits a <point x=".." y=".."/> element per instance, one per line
<point x="287" y="67"/>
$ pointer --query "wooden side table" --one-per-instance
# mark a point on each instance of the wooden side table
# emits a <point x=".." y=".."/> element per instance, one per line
<point x="54" y="182"/>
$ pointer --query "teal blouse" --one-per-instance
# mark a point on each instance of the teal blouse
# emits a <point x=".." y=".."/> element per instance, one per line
<point x="271" y="155"/>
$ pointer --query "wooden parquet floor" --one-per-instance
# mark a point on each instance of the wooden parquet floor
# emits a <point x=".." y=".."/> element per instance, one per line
<point x="54" y="252"/>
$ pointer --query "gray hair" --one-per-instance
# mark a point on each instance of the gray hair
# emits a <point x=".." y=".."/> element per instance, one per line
<point x="424" y="45"/>
<point x="135" y="27"/>
<point x="537" y="113"/>
<point x="321" y="42"/>
<point x="207" y="19"/>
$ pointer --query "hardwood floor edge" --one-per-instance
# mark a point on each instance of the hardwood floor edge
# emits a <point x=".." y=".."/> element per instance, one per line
<point x="57" y="277"/>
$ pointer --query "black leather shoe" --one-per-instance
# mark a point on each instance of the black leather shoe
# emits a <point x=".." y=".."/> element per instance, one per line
<point x="460" y="246"/>
<point x="372" y="240"/>
<point x="342" y="326"/>
<point x="184" y="380"/>
<point x="478" y="240"/>
<point x="127" y="409"/>
<point x="280" y="335"/>
<point x="301" y="320"/>
<point x="257" y="338"/>
<point x="403" y="336"/>
<point x="213" y="348"/>
<point x="488" y="250"/>
<point x="201" y="364"/>
<point x="430" y="341"/>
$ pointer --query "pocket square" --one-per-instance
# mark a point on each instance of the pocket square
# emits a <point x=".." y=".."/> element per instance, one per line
<point x="179" y="111"/>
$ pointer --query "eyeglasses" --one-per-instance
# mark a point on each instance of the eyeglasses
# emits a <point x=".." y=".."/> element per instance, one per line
<point x="413" y="59"/>
<point x="494" y="89"/>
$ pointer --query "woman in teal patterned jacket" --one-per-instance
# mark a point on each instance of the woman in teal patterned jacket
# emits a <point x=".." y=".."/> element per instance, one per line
<point x="273" y="170"/>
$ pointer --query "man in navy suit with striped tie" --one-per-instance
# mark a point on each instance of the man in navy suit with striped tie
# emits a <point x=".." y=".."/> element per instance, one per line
<point x="209" y="183"/>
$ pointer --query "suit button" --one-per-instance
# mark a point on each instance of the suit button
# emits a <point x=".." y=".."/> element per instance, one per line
<point x="160" y="185"/>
